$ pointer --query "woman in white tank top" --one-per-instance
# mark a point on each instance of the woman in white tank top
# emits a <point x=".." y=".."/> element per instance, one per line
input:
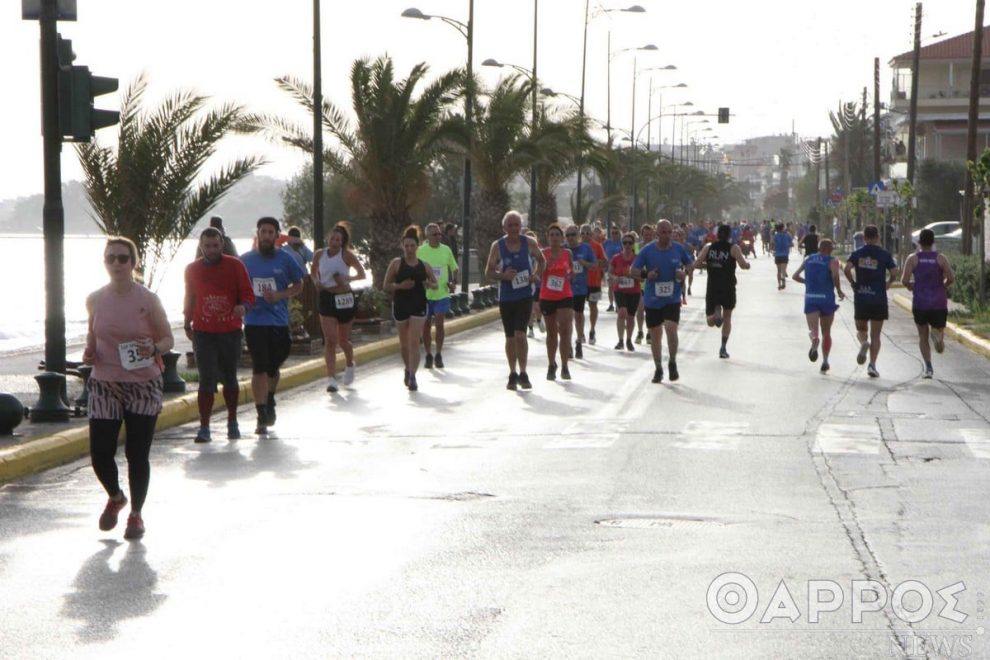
<point x="330" y="272"/>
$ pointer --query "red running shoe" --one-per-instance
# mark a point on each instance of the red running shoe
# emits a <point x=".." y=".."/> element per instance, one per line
<point x="135" y="527"/>
<point x="108" y="520"/>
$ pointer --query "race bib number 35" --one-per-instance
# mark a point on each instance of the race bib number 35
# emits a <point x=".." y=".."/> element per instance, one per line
<point x="663" y="289"/>
<point x="521" y="279"/>
<point x="262" y="284"/>
<point x="129" y="357"/>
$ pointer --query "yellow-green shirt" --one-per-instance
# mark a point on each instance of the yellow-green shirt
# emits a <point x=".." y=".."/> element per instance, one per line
<point x="440" y="259"/>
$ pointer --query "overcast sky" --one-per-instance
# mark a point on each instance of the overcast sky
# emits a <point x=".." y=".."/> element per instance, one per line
<point x="775" y="63"/>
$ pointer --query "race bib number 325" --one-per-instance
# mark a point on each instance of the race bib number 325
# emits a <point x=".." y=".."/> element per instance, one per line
<point x="663" y="289"/>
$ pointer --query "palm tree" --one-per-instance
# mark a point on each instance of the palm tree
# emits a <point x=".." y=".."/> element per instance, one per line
<point x="150" y="188"/>
<point x="386" y="152"/>
<point x="564" y="141"/>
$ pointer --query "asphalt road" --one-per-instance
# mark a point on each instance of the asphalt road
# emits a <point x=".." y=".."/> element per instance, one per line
<point x="587" y="519"/>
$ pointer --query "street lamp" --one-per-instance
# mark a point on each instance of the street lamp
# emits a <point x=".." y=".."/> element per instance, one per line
<point x="467" y="31"/>
<point x="673" y="124"/>
<point x="632" y="124"/>
<point x="685" y="128"/>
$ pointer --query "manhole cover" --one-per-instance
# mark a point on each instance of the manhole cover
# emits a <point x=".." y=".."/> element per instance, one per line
<point x="654" y="522"/>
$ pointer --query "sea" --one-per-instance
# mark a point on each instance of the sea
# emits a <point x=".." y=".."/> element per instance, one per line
<point x="22" y="322"/>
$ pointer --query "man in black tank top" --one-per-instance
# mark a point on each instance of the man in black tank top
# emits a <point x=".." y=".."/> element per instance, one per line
<point x="720" y="259"/>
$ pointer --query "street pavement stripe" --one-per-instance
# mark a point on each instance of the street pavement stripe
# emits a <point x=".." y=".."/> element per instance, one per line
<point x="847" y="439"/>
<point x="587" y="434"/>
<point x="978" y="441"/>
<point x="711" y="436"/>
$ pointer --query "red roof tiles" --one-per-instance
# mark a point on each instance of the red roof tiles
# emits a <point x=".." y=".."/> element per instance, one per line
<point x="955" y="48"/>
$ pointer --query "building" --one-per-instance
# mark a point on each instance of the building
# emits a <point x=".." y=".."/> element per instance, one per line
<point x="756" y="163"/>
<point x="944" y="73"/>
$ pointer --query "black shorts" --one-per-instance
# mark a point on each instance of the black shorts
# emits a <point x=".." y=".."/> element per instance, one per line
<point x="655" y="317"/>
<point x="870" y="311"/>
<point x="269" y="347"/>
<point x="724" y="298"/>
<point x="579" y="304"/>
<point x="515" y="315"/>
<point x="405" y="310"/>
<point x="780" y="260"/>
<point x="217" y="355"/>
<point x="628" y="301"/>
<point x="933" y="317"/>
<point x="548" y="307"/>
<point x="330" y="306"/>
<point x="594" y="294"/>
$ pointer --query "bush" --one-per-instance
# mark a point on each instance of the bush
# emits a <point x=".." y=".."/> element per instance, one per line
<point x="371" y="303"/>
<point x="966" y="288"/>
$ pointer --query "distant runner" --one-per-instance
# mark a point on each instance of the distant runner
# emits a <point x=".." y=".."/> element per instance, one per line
<point x="927" y="275"/>
<point x="821" y="285"/>
<point x="720" y="259"/>
<point x="440" y="259"/>
<point x="875" y="270"/>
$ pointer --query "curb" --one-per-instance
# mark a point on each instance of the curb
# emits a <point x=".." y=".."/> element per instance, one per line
<point x="69" y="445"/>
<point x="970" y="340"/>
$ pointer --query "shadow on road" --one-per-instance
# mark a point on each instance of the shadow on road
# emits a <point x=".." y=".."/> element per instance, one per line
<point x="219" y="465"/>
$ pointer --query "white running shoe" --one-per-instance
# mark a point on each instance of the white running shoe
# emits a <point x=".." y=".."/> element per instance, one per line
<point x="872" y="372"/>
<point x="938" y="338"/>
<point x="531" y="334"/>
<point x="332" y="385"/>
<point x="348" y="375"/>
<point x="929" y="372"/>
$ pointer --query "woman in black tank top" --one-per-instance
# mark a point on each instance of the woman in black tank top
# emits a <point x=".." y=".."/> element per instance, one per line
<point x="407" y="279"/>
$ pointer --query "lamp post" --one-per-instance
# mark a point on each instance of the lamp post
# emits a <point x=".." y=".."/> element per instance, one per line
<point x="684" y="125"/>
<point x="632" y="128"/>
<point x="318" y="237"/>
<point x="673" y="125"/>
<point x="467" y="31"/>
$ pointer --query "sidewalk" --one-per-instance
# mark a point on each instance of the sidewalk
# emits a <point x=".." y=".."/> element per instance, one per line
<point x="35" y="447"/>
<point x="971" y="340"/>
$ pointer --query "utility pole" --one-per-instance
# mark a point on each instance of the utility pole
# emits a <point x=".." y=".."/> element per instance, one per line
<point x="864" y="178"/>
<point x="971" y="130"/>
<point x="876" y="119"/>
<point x="906" y="225"/>
<point x="318" y="230"/>
<point x="819" y="204"/>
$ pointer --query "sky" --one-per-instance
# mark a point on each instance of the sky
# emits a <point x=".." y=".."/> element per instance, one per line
<point x="777" y="64"/>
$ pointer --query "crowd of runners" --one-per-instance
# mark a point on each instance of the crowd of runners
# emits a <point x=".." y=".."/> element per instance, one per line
<point x="550" y="281"/>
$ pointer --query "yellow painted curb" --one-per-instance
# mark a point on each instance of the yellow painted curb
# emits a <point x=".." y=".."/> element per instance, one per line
<point x="71" y="444"/>
<point x="970" y="340"/>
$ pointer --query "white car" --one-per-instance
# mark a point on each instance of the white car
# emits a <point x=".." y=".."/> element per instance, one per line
<point x="949" y="230"/>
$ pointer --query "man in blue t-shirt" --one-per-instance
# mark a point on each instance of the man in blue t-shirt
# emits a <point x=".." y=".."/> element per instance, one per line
<point x="663" y="265"/>
<point x="582" y="258"/>
<point x="612" y="246"/>
<point x="275" y="277"/>
<point x="875" y="270"/>
<point x="782" y="242"/>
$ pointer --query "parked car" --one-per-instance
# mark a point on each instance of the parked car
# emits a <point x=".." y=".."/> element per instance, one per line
<point x="944" y="231"/>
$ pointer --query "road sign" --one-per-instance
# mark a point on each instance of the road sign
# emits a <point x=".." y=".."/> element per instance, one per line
<point x="887" y="199"/>
<point x="876" y="187"/>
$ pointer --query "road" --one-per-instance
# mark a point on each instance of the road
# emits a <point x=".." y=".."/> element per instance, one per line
<point x="586" y="519"/>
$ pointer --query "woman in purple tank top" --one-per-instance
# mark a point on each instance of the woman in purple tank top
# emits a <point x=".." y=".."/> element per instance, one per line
<point x="927" y="274"/>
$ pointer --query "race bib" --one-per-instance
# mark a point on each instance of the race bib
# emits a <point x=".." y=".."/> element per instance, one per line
<point x="437" y="272"/>
<point x="555" y="283"/>
<point x="262" y="284"/>
<point x="663" y="289"/>
<point x="521" y="279"/>
<point x="343" y="301"/>
<point x="626" y="283"/>
<point x="129" y="357"/>
<point x="578" y="268"/>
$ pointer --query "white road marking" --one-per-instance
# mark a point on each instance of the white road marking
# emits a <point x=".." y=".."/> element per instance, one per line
<point x="847" y="439"/>
<point x="588" y="434"/>
<point x="711" y="436"/>
<point x="978" y="441"/>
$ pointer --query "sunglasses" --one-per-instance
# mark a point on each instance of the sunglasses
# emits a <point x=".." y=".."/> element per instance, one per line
<point x="571" y="235"/>
<point x="119" y="258"/>
<point x="627" y="242"/>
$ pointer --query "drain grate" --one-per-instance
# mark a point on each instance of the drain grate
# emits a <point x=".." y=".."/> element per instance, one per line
<point x="661" y="522"/>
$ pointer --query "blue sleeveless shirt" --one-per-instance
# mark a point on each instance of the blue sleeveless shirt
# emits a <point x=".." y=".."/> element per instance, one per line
<point x="513" y="291"/>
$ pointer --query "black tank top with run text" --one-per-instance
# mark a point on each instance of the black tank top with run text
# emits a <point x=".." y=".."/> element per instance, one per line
<point x="721" y="266"/>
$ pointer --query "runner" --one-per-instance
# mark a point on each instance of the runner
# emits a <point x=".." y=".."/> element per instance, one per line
<point x="765" y="237"/>
<point x="664" y="268"/>
<point x="932" y="275"/>
<point x="647" y="234"/>
<point x="595" y="278"/>
<point x="582" y="259"/>
<point x="536" y="316"/>
<point x="509" y="262"/>
<point x="810" y="241"/>
<point x="612" y="247"/>
<point x="218" y="293"/>
<point x="557" y="299"/>
<point x="679" y="238"/>
<point x="128" y="333"/>
<point x="331" y="272"/>
<point x="782" y="243"/>
<point x="440" y="259"/>
<point x="720" y="259"/>
<point x="628" y="290"/>
<point x="407" y="279"/>
<point x="820" y="287"/>
<point x="876" y="270"/>
<point x="275" y="277"/>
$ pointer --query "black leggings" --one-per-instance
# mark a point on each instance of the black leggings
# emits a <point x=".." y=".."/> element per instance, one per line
<point x="140" y="430"/>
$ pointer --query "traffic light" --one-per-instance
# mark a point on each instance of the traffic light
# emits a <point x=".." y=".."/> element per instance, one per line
<point x="723" y="115"/>
<point x="77" y="88"/>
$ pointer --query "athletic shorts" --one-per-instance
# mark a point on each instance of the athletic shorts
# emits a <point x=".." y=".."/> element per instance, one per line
<point x="269" y="346"/>
<point x="933" y="317"/>
<point x="594" y="293"/>
<point x="870" y="311"/>
<point x="548" y="307"/>
<point x="217" y="355"/>
<point x="111" y="399"/>
<point x="335" y="305"/>
<point x="779" y="260"/>
<point x="655" y="317"/>
<point x="724" y="298"/>
<point x="629" y="301"/>
<point x="515" y="315"/>
<point x="578" y="304"/>
<point x="403" y="311"/>
<point x="434" y="307"/>
<point x="823" y="308"/>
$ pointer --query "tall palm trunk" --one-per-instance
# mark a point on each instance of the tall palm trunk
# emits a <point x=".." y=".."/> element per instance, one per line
<point x="384" y="238"/>
<point x="546" y="210"/>
<point x="492" y="206"/>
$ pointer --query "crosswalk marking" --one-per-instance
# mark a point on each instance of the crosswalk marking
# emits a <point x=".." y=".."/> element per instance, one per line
<point x="847" y="439"/>
<point x="978" y="441"/>
<point x="587" y="434"/>
<point x="711" y="436"/>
